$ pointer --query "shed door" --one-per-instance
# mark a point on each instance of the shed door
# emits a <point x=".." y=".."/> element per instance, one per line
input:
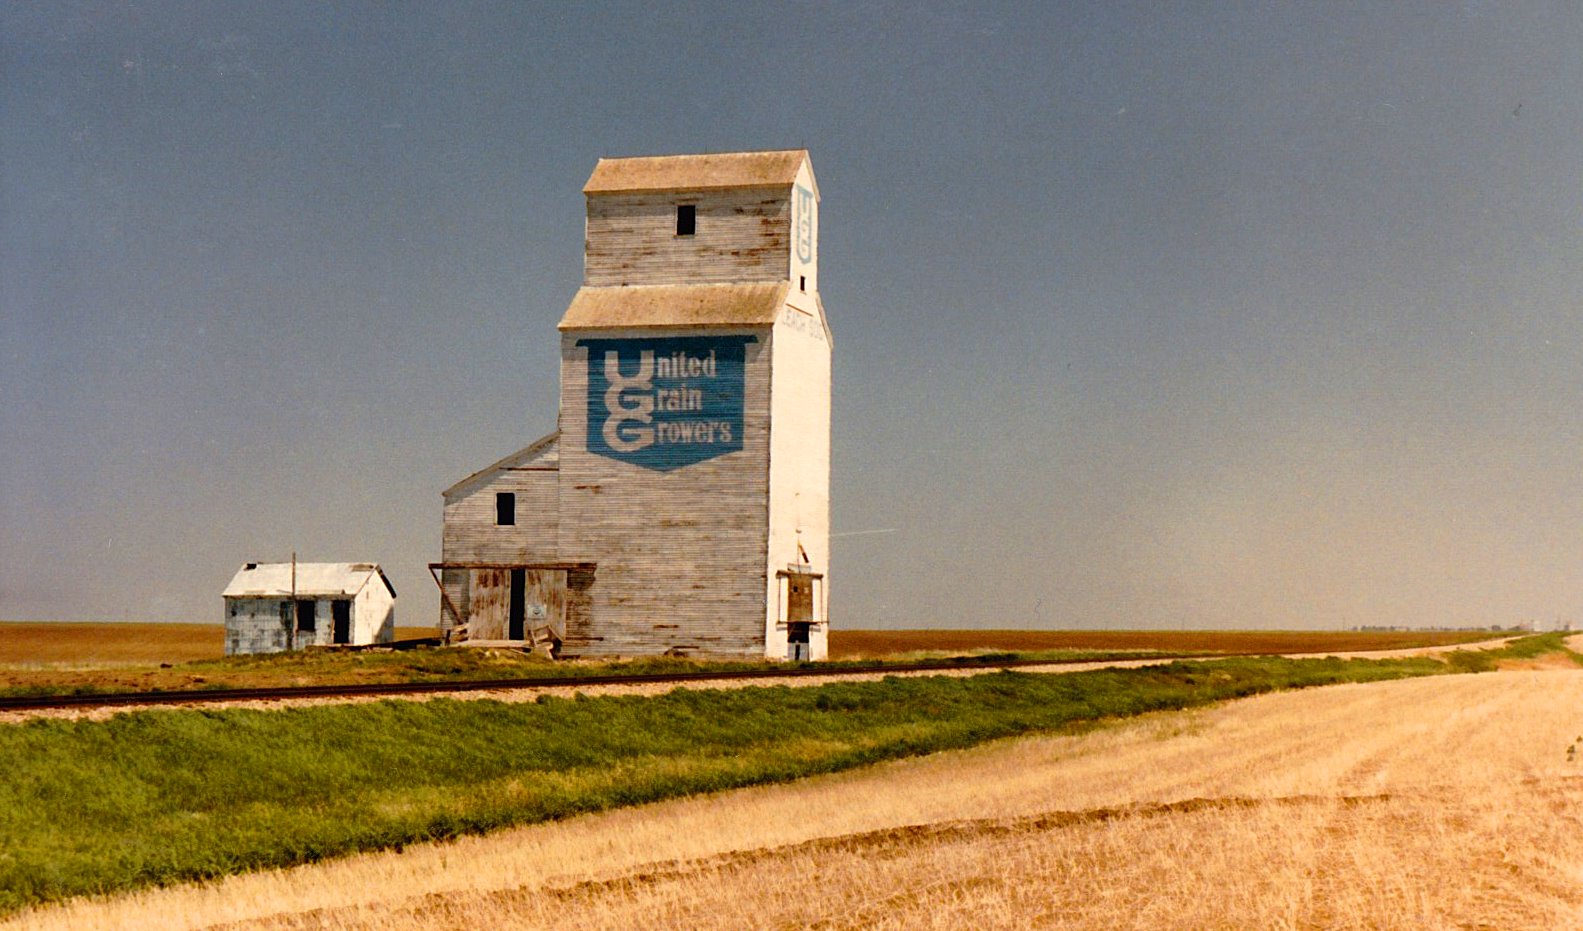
<point x="489" y="604"/>
<point x="341" y="613"/>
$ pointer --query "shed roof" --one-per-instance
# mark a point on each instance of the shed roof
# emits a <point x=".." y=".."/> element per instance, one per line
<point x="691" y="305"/>
<point x="695" y="172"/>
<point x="543" y="453"/>
<point x="314" y="579"/>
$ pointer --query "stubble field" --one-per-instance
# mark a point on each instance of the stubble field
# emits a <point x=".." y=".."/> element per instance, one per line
<point x="1443" y="802"/>
<point x="859" y="644"/>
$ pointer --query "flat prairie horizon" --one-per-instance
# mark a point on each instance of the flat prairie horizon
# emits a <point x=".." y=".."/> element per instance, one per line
<point x="164" y="642"/>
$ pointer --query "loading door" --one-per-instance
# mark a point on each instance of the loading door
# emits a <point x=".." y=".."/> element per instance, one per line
<point x="544" y="604"/>
<point x="489" y="598"/>
<point x="517" y="604"/>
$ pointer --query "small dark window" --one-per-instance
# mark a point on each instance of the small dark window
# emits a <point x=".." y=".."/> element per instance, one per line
<point x="505" y="508"/>
<point x="306" y="621"/>
<point x="686" y="219"/>
<point x="802" y="282"/>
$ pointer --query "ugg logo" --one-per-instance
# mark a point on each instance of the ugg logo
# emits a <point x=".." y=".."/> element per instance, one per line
<point x="665" y="403"/>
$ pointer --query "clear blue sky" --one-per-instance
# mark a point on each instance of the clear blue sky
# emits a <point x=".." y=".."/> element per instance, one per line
<point x="1146" y="315"/>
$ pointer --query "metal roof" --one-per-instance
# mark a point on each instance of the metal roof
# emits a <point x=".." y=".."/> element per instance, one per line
<point x="754" y="304"/>
<point x="314" y="579"/>
<point x="696" y="172"/>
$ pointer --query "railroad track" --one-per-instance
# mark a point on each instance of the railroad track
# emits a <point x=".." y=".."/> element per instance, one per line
<point x="210" y="696"/>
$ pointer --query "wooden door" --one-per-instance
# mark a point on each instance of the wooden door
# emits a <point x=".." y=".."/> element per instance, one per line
<point x="799" y="598"/>
<point x="544" y="602"/>
<point x="489" y="600"/>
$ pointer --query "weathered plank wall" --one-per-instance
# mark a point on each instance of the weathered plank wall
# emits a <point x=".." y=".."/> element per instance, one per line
<point x="680" y="553"/>
<point x="254" y="625"/>
<point x="470" y="534"/>
<point x="742" y="235"/>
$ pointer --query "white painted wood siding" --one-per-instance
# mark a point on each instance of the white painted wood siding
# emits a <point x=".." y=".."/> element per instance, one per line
<point x="799" y="466"/>
<point x="742" y="235"/>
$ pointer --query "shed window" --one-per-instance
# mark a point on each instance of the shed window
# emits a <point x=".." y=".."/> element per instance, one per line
<point x="306" y="619"/>
<point x="505" y="508"/>
<point x="686" y="219"/>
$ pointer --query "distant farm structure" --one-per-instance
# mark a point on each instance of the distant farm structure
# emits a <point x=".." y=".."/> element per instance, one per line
<point x="682" y="507"/>
<point x="275" y="607"/>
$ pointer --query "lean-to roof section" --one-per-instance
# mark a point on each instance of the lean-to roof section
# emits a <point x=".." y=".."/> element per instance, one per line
<point x="542" y="454"/>
<point x="751" y="304"/>
<point x="696" y="172"/>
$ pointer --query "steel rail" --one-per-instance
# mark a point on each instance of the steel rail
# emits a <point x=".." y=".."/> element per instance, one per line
<point x="353" y="690"/>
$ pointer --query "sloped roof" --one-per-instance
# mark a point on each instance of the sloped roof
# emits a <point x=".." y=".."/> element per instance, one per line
<point x="314" y="579"/>
<point x="750" y="304"/>
<point x="542" y="453"/>
<point x="695" y="172"/>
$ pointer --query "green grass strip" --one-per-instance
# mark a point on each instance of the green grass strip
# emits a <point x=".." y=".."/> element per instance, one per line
<point x="159" y="797"/>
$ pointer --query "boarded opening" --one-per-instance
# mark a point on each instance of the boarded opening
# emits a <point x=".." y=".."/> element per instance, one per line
<point x="341" y="614"/>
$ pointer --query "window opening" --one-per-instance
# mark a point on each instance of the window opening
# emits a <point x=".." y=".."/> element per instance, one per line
<point x="802" y="282"/>
<point x="505" y="508"/>
<point x="305" y="620"/>
<point x="686" y="219"/>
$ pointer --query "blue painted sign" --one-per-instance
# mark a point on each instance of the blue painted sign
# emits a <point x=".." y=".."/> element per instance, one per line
<point x="665" y="403"/>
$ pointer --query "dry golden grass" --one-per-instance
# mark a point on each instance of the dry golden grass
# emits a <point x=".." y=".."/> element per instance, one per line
<point x="1447" y="802"/>
<point x="858" y="644"/>
<point x="53" y="642"/>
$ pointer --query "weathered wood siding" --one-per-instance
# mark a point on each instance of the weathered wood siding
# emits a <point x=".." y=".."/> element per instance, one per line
<point x="453" y="600"/>
<point x="471" y="535"/>
<point x="742" y="235"/>
<point x="799" y="465"/>
<point x="680" y="551"/>
<point x="254" y="625"/>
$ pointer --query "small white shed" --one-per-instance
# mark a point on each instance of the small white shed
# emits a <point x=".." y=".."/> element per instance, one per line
<point x="272" y="607"/>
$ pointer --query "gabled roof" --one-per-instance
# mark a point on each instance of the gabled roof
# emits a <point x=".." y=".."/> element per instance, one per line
<point x="542" y="453"/>
<point x="314" y="579"/>
<point x="695" y="172"/>
<point x="691" y="305"/>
